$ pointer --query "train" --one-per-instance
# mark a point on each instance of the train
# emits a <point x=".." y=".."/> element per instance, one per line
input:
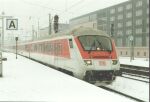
<point x="84" y="53"/>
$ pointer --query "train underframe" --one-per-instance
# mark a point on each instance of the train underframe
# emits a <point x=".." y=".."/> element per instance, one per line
<point x="92" y="76"/>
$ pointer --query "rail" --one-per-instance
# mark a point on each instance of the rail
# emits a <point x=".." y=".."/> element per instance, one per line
<point x="121" y="93"/>
<point x="135" y="70"/>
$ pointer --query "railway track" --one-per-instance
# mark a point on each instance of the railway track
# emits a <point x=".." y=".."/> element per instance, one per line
<point x="134" y="73"/>
<point x="128" y="77"/>
<point x="135" y="70"/>
<point x="121" y="93"/>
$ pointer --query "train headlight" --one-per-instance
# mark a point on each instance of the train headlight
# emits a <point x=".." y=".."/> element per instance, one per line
<point x="88" y="62"/>
<point x="114" y="62"/>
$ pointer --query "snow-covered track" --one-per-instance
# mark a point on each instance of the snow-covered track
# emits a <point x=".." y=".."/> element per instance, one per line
<point x="135" y="70"/>
<point x="128" y="77"/>
<point x="121" y="93"/>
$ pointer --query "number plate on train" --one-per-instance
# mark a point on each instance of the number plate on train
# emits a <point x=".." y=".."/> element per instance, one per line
<point x="102" y="63"/>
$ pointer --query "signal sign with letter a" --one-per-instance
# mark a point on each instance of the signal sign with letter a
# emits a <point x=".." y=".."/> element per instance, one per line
<point x="12" y="24"/>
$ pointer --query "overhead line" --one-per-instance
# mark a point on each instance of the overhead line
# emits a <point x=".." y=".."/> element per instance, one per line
<point x="75" y="4"/>
<point x="30" y="3"/>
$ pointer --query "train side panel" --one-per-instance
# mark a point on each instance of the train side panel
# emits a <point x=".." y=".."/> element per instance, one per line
<point x="60" y="52"/>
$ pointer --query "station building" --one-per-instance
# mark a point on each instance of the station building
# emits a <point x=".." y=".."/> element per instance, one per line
<point x="130" y="18"/>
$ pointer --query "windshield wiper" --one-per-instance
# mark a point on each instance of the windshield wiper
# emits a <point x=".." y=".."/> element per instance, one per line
<point x="100" y="44"/>
<point x="93" y="45"/>
<point x="101" y="47"/>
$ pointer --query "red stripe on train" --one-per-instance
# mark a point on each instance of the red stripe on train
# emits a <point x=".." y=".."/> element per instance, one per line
<point x="62" y="48"/>
<point x="58" y="48"/>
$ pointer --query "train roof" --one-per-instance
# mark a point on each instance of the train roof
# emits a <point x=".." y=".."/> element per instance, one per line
<point x="75" y="32"/>
<point x="81" y="31"/>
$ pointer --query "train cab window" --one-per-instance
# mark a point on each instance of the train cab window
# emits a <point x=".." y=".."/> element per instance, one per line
<point x="70" y="43"/>
<point x="95" y="43"/>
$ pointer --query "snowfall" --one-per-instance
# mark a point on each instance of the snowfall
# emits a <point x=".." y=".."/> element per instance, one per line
<point x="26" y="80"/>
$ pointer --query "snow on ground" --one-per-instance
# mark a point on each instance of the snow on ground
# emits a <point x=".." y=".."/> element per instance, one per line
<point x="131" y="87"/>
<point x="134" y="88"/>
<point x="137" y="61"/>
<point x="26" y="80"/>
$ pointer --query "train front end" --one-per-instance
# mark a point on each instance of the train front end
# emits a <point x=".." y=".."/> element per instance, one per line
<point x="99" y="58"/>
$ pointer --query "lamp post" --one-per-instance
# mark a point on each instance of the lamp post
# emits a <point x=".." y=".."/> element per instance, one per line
<point x="132" y="43"/>
<point x="131" y="49"/>
<point x="16" y="38"/>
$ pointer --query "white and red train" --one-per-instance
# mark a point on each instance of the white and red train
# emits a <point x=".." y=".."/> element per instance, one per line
<point x="85" y="53"/>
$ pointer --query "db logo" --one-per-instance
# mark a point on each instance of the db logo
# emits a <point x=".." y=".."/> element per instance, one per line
<point x="102" y="63"/>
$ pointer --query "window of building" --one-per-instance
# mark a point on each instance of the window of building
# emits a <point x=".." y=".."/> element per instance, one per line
<point x="120" y="16"/>
<point x="138" y="31"/>
<point x="92" y="17"/>
<point x="120" y="32"/>
<point x="138" y="41"/>
<point x="129" y="23"/>
<point x="112" y="18"/>
<point x="138" y="22"/>
<point x="147" y="10"/>
<point x="147" y="20"/>
<point x="82" y="20"/>
<point x="139" y="3"/>
<point x="138" y="13"/>
<point x="129" y="31"/>
<point x="128" y="15"/>
<point x="147" y="30"/>
<point x="120" y="25"/>
<point x="147" y="41"/>
<point x="119" y="42"/>
<point x="102" y="19"/>
<point x="128" y="6"/>
<point x="112" y="11"/>
<point x="120" y="9"/>
<point x="127" y="42"/>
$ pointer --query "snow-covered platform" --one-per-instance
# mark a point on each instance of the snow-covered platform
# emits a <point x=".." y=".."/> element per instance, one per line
<point x="144" y="62"/>
<point x="26" y="80"/>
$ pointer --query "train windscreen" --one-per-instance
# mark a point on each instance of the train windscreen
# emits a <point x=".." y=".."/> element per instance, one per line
<point x="95" y="43"/>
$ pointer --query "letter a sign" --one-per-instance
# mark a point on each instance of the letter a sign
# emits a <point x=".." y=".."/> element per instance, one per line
<point x="12" y="24"/>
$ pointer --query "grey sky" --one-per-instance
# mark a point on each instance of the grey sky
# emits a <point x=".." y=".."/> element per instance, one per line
<point x="39" y="9"/>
